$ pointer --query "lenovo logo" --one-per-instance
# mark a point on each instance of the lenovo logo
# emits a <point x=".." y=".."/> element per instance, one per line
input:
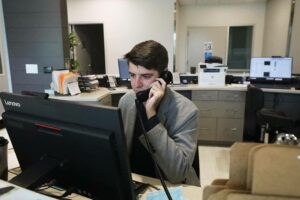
<point x="11" y="103"/>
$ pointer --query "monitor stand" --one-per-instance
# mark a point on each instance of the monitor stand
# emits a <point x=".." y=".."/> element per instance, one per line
<point x="36" y="175"/>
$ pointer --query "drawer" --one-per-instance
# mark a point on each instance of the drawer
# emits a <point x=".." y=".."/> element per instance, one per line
<point x="204" y="95"/>
<point x="207" y="108"/>
<point x="231" y="109"/>
<point x="207" y="129"/>
<point x="232" y="95"/>
<point x="230" y="129"/>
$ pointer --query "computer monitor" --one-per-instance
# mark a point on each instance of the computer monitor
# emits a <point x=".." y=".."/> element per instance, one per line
<point x="274" y="69"/>
<point x="80" y="146"/>
<point x="123" y="69"/>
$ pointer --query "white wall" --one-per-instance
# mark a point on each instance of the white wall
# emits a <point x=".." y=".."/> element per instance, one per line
<point x="276" y="27"/>
<point x="219" y="15"/>
<point x="5" y="83"/>
<point x="126" y="23"/>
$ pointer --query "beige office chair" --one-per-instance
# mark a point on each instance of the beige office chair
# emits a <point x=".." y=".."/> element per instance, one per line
<point x="259" y="172"/>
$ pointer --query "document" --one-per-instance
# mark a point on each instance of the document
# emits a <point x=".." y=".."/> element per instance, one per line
<point x="73" y="88"/>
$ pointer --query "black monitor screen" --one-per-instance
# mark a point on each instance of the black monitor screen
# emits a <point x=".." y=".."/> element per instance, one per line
<point x="123" y="69"/>
<point x="271" y="68"/>
<point x="80" y="146"/>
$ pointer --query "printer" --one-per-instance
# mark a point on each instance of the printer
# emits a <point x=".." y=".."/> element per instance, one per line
<point x="211" y="74"/>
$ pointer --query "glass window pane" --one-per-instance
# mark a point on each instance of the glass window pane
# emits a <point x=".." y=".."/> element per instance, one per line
<point x="240" y="46"/>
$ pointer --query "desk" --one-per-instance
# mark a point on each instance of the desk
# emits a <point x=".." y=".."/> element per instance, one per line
<point x="21" y="193"/>
<point x="189" y="192"/>
<point x="102" y="92"/>
<point x="221" y="108"/>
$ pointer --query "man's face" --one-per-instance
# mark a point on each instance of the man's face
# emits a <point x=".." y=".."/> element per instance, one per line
<point x="141" y="78"/>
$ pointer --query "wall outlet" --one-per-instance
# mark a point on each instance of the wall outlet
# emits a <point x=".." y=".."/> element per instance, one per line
<point x="31" y="68"/>
<point x="48" y="69"/>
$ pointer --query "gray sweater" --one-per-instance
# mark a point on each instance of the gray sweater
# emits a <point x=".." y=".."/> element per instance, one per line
<point x="174" y="139"/>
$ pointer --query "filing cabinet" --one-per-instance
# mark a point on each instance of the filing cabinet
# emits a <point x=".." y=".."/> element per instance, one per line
<point x="221" y="114"/>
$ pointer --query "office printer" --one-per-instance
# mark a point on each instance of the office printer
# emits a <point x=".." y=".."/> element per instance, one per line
<point x="211" y="74"/>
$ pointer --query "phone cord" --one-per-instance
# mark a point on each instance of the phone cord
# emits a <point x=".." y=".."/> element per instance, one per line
<point x="157" y="169"/>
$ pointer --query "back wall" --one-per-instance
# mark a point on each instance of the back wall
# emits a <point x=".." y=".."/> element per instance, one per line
<point x="126" y="23"/>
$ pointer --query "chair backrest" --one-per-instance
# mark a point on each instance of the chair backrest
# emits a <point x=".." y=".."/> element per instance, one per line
<point x="238" y="165"/>
<point x="254" y="102"/>
<point x="275" y="170"/>
<point x="250" y="158"/>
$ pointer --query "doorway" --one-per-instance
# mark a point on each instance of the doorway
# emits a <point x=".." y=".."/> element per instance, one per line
<point x="199" y="37"/>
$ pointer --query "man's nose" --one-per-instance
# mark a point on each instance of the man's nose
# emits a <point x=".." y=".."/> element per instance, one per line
<point x="138" y="82"/>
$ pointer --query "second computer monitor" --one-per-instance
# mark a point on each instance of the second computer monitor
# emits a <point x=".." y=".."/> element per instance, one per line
<point x="123" y="69"/>
<point x="271" y="68"/>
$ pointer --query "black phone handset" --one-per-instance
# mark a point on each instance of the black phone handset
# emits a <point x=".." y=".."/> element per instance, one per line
<point x="142" y="96"/>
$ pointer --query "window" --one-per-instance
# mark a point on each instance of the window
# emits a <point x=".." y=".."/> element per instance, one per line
<point x="239" y="47"/>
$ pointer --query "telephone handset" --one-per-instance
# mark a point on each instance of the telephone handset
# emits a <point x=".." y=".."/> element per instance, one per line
<point x="142" y="96"/>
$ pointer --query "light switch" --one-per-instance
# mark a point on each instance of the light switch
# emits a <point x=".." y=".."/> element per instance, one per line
<point x="31" y="68"/>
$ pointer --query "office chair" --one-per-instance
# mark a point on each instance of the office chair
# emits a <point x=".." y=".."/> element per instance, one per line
<point x="260" y="120"/>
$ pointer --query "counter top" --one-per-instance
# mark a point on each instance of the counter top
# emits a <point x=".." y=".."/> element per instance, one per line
<point x="232" y="87"/>
<point x="92" y="96"/>
<point x="101" y="92"/>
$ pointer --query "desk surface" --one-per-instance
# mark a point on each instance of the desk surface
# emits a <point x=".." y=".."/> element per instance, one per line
<point x="20" y="193"/>
<point x="188" y="191"/>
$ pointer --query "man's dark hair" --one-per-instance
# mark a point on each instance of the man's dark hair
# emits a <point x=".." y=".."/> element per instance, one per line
<point x="149" y="54"/>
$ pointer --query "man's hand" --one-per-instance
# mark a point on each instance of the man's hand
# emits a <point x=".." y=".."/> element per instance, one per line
<point x="156" y="94"/>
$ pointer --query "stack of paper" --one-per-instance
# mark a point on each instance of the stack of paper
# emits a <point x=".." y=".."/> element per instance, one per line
<point x="61" y="79"/>
<point x="88" y="82"/>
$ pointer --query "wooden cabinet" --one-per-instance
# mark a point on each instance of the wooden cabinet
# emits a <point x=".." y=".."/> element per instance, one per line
<point x="221" y="114"/>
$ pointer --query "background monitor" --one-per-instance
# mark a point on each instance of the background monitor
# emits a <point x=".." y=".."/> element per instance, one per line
<point x="271" y="68"/>
<point x="80" y="146"/>
<point x="123" y="69"/>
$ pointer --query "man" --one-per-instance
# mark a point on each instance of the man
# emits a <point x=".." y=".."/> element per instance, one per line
<point x="169" y="119"/>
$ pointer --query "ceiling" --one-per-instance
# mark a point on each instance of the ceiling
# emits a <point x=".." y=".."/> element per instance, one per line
<point x="209" y="2"/>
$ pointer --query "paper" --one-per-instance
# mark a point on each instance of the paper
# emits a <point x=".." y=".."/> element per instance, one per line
<point x="73" y="88"/>
<point x="55" y="78"/>
<point x="31" y="68"/>
<point x="176" y="194"/>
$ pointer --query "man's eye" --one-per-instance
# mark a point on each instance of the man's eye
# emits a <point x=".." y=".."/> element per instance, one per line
<point x="132" y="75"/>
<point x="146" y="76"/>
